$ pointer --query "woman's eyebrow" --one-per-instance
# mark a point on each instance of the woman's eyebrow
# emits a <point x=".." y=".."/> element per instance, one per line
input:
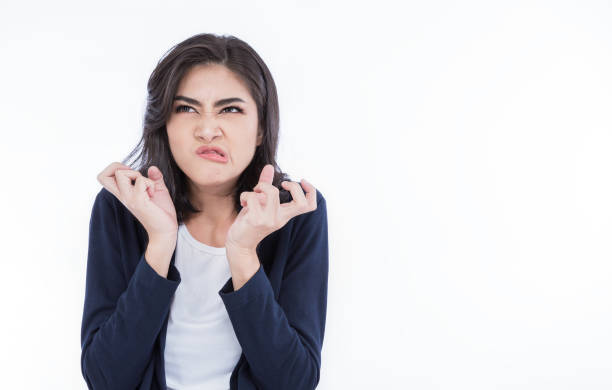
<point x="217" y="103"/>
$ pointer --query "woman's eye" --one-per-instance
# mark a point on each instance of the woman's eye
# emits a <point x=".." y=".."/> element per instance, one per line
<point x="237" y="108"/>
<point x="187" y="108"/>
<point x="181" y="108"/>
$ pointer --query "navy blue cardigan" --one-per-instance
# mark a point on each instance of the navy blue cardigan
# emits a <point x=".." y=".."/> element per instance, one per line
<point x="278" y="315"/>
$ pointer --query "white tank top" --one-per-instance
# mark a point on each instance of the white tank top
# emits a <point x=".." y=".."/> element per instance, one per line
<point x="201" y="348"/>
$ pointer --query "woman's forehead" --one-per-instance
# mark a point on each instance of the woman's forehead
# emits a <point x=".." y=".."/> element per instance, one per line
<point x="207" y="83"/>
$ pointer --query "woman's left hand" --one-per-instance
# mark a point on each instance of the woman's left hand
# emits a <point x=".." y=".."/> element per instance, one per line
<point x="262" y="212"/>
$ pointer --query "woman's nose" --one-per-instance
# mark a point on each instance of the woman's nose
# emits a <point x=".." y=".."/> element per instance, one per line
<point x="208" y="126"/>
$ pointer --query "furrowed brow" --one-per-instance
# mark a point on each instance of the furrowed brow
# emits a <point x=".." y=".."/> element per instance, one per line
<point x="218" y="103"/>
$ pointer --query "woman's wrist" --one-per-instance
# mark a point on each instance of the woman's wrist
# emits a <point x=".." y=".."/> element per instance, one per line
<point x="159" y="253"/>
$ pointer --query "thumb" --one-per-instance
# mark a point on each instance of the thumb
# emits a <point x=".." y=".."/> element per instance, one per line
<point x="267" y="174"/>
<point x="155" y="174"/>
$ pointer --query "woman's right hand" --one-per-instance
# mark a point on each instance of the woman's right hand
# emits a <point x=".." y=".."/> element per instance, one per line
<point x="148" y="199"/>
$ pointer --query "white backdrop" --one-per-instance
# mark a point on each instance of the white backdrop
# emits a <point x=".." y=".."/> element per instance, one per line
<point x="463" y="149"/>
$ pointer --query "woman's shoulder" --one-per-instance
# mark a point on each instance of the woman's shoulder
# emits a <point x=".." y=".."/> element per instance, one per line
<point x="108" y="208"/>
<point x="107" y="202"/>
<point x="105" y="195"/>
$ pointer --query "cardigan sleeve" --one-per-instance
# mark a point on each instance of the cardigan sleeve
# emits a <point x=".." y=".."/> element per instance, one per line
<point x="122" y="316"/>
<point x="282" y="339"/>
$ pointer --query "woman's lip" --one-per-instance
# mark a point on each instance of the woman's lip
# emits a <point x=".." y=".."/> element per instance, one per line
<point x="216" y="148"/>
<point x="213" y="157"/>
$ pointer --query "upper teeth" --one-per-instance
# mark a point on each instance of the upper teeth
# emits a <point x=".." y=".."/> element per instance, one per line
<point x="211" y="151"/>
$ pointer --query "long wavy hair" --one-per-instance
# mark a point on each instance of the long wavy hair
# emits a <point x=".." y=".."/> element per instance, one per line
<point x="153" y="146"/>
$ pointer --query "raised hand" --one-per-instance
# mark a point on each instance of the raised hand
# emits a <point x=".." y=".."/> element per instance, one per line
<point x="148" y="199"/>
<point x="262" y="212"/>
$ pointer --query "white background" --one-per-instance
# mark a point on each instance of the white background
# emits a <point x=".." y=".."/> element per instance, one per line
<point x="463" y="149"/>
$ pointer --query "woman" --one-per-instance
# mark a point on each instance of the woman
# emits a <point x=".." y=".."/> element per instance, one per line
<point x="207" y="268"/>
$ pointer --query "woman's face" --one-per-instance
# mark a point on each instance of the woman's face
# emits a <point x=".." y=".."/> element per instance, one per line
<point x="197" y="121"/>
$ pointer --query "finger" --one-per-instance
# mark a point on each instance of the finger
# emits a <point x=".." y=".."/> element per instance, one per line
<point x="263" y="198"/>
<point x="301" y="203"/>
<point x="247" y="197"/>
<point x="107" y="177"/>
<point x="155" y="174"/>
<point x="267" y="174"/>
<point x="111" y="168"/>
<point x="130" y="173"/>
<point x="272" y="197"/>
<point x="145" y="186"/>
<point x="124" y="179"/>
<point x="268" y="190"/>
<point x="296" y="192"/>
<point x="109" y="171"/>
<point x="311" y="194"/>
<point x="110" y="184"/>
<point x="253" y="204"/>
<point x="291" y="209"/>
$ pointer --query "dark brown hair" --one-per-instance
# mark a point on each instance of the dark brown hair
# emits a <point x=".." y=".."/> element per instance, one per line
<point x="239" y="58"/>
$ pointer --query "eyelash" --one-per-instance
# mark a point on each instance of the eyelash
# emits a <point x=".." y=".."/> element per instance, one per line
<point x="178" y="109"/>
